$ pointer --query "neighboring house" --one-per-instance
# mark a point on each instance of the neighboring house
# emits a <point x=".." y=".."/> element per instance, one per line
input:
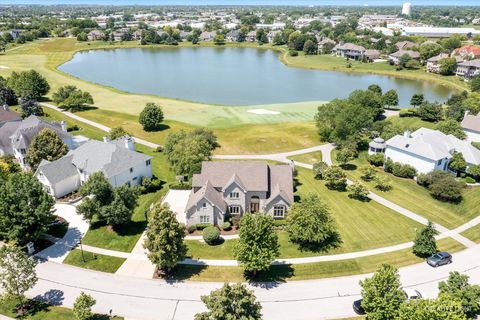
<point x="271" y="35"/>
<point x="394" y="58"/>
<point x="468" y="69"/>
<point x="471" y="126"/>
<point x="207" y="36"/>
<point x="349" y="50"/>
<point x="95" y="35"/>
<point x="322" y="44"/>
<point x="371" y="55"/>
<point x="15" y="33"/>
<point x="116" y="159"/>
<point x="7" y="115"/>
<point x="137" y="35"/>
<point x="16" y="136"/>
<point x="404" y="45"/>
<point x="233" y="35"/>
<point x="378" y="145"/>
<point x="467" y="52"/>
<point x="184" y="34"/>
<point x="227" y="188"/>
<point x="118" y="35"/>
<point x="251" y="36"/>
<point x="433" y="64"/>
<point x="427" y="150"/>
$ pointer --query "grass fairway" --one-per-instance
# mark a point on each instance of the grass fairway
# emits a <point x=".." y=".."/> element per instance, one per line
<point x="310" y="158"/>
<point x="408" y="194"/>
<point x="42" y="311"/>
<point x="96" y="262"/>
<point x="311" y="270"/>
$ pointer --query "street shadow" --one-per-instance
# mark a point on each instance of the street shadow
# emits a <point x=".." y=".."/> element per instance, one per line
<point x="52" y="297"/>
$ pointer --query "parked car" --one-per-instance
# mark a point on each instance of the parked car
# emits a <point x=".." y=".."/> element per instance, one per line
<point x="357" y="307"/>
<point x="413" y="294"/>
<point x="439" y="259"/>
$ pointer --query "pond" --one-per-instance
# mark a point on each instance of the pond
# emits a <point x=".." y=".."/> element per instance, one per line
<point x="229" y="76"/>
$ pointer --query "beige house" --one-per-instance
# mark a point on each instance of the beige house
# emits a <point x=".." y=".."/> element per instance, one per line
<point x="228" y="188"/>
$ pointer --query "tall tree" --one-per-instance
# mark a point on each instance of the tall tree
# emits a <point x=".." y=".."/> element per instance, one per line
<point x="475" y="84"/>
<point x="151" y="117"/>
<point x="430" y="111"/>
<point x="30" y="106"/>
<point x="335" y="178"/>
<point x="25" y="208"/>
<point x="71" y="98"/>
<point x="425" y="244"/>
<point x="28" y="82"/>
<point x="390" y="98"/>
<point x="447" y="66"/>
<point x="82" y="307"/>
<point x="164" y="239"/>
<point x="18" y="273"/>
<point x="257" y="246"/>
<point x="442" y="308"/>
<point x="232" y="302"/>
<point x="457" y="287"/>
<point x="310" y="223"/>
<point x="457" y="163"/>
<point x="116" y="133"/>
<point x="382" y="294"/>
<point x="46" y="145"/>
<point x="375" y="88"/>
<point x="417" y="99"/>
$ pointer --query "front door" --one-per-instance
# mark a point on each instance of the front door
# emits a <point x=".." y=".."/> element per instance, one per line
<point x="254" y="204"/>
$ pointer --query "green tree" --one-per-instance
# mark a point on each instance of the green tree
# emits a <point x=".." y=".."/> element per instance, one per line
<point x="345" y="155"/>
<point x="82" y="307"/>
<point x="116" y="133"/>
<point x="474" y="170"/>
<point x="82" y="36"/>
<point x="457" y="163"/>
<point x="425" y="244"/>
<point x="102" y="194"/>
<point x="368" y="173"/>
<point x="442" y="308"/>
<point x="417" y="99"/>
<point x="261" y="36"/>
<point x="28" y="82"/>
<point x="475" y="84"/>
<point x="446" y="188"/>
<point x="151" y="117"/>
<point x="310" y="224"/>
<point x="46" y="145"/>
<point x="120" y="210"/>
<point x="18" y="273"/>
<point x="319" y="169"/>
<point x="382" y="294"/>
<point x="429" y="50"/>
<point x="390" y="98"/>
<point x="25" y="208"/>
<point x="458" y="288"/>
<point x="382" y="183"/>
<point x="335" y="178"/>
<point x="72" y="99"/>
<point x="358" y="191"/>
<point x="368" y="100"/>
<point x="451" y="127"/>
<point x="30" y="106"/>
<point x="232" y="302"/>
<point x="404" y="60"/>
<point x="219" y="39"/>
<point x="430" y="111"/>
<point x="375" y="88"/>
<point x="257" y="246"/>
<point x="309" y="47"/>
<point x="472" y="102"/>
<point x="448" y="66"/>
<point x="451" y="43"/>
<point x="164" y="239"/>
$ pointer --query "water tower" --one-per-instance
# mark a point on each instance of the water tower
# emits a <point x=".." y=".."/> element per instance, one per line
<point x="407" y="8"/>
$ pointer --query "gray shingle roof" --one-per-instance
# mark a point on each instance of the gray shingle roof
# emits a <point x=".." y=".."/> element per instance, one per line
<point x="58" y="170"/>
<point x="471" y="122"/>
<point x="412" y="54"/>
<point x="208" y="192"/>
<point x="7" y="115"/>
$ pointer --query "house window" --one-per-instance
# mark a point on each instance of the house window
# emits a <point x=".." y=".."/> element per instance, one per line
<point x="278" y="211"/>
<point x="234" y="209"/>
<point x="135" y="178"/>
<point x="149" y="162"/>
<point x="131" y="170"/>
<point x="204" y="205"/>
<point x="439" y="162"/>
<point x="204" y="219"/>
<point x="234" y="195"/>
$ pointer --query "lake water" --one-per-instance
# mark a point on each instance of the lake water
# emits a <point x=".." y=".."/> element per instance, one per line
<point x="229" y="76"/>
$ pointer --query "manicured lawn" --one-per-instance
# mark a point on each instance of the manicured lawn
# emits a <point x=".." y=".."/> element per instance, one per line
<point x="408" y="194"/>
<point x="310" y="158"/>
<point x="96" y="262"/>
<point x="43" y="311"/>
<point x="311" y="270"/>
<point x="473" y="233"/>
<point x="58" y="230"/>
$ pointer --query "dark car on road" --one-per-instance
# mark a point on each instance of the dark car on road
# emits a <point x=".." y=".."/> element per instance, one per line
<point x="439" y="259"/>
<point x="357" y="307"/>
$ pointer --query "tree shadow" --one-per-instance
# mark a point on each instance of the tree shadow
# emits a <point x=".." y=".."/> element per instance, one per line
<point x="349" y="167"/>
<point x="52" y="297"/>
<point x="183" y="272"/>
<point x="333" y="241"/>
<point x="128" y="229"/>
<point x="272" y="277"/>
<point x="161" y="127"/>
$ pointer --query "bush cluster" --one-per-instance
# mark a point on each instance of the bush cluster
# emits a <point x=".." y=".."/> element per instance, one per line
<point x="211" y="235"/>
<point x="226" y="226"/>
<point x="376" y="159"/>
<point x="180" y="185"/>
<point x="399" y="170"/>
<point x="442" y="185"/>
<point x="408" y="112"/>
<point x="148" y="185"/>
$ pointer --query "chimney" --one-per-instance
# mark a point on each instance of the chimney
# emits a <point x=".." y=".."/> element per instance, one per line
<point x="406" y="134"/>
<point x="106" y="139"/>
<point x="129" y="143"/>
<point x="64" y="125"/>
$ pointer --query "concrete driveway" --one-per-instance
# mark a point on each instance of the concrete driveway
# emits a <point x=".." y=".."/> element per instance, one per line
<point x="177" y="200"/>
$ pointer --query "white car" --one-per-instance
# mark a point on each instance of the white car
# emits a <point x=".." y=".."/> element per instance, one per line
<point x="413" y="294"/>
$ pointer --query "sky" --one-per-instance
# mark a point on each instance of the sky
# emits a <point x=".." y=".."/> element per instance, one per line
<point x="250" y="2"/>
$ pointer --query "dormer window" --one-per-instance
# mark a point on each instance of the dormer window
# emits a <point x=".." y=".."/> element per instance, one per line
<point x="234" y="195"/>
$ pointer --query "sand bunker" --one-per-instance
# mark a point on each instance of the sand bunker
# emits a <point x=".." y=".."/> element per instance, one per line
<point x="4" y="67"/>
<point x="263" y="111"/>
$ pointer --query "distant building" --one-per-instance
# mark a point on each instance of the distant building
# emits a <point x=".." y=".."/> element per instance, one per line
<point x="349" y="50"/>
<point x="95" y="35"/>
<point x="468" y="69"/>
<point x="403" y="45"/>
<point x="394" y="58"/>
<point x="471" y="126"/>
<point x="7" y="115"/>
<point x="438" y="32"/>
<point x="467" y="52"/>
<point x="251" y="36"/>
<point x="407" y="9"/>
<point x="433" y="64"/>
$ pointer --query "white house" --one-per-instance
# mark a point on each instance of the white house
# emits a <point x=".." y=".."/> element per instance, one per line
<point x="471" y="126"/>
<point x="427" y="150"/>
<point x="116" y="159"/>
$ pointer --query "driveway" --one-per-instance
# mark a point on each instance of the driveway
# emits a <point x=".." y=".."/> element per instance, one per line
<point x="177" y="200"/>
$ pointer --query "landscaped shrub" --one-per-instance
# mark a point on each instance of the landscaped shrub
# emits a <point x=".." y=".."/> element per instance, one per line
<point x="150" y="184"/>
<point x="376" y="159"/>
<point x="180" y="185"/>
<point x="75" y="127"/>
<point x="281" y="223"/>
<point x="470" y="180"/>
<point x="358" y="191"/>
<point x="191" y="228"/>
<point x="236" y="221"/>
<point x="403" y="170"/>
<point x="159" y="149"/>
<point x="211" y="235"/>
<point x="388" y="166"/>
<point x="226" y="226"/>
<point x="319" y="169"/>
<point x="382" y="183"/>
<point x="426" y="179"/>
<point x="335" y="178"/>
<point x="292" y="53"/>
<point x="442" y="185"/>
<point x="368" y="173"/>
<point x="408" y="112"/>
<point x="201" y="226"/>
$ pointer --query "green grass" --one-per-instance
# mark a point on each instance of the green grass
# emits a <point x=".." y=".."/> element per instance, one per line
<point x="93" y="261"/>
<point x="43" y="311"/>
<point x="311" y="270"/>
<point x="473" y="233"/>
<point x="408" y="194"/>
<point x="309" y="158"/>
